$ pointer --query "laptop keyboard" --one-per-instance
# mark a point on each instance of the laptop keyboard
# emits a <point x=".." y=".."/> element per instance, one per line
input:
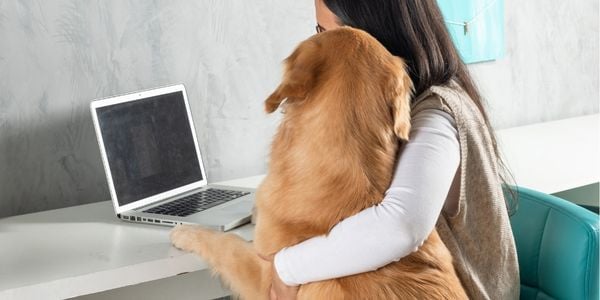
<point x="196" y="202"/>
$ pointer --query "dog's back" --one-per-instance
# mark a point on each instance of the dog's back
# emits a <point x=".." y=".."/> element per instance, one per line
<point x="334" y="152"/>
<point x="347" y="108"/>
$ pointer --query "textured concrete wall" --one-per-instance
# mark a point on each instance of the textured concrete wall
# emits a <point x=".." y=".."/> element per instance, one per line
<point x="57" y="55"/>
<point x="550" y="70"/>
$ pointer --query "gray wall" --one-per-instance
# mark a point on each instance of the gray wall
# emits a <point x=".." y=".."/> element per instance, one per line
<point x="57" y="55"/>
<point x="550" y="70"/>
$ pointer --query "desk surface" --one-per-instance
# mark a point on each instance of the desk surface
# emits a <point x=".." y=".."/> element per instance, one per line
<point x="85" y="249"/>
<point x="553" y="156"/>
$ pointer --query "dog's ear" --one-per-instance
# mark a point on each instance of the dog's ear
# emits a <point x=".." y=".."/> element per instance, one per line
<point x="401" y="88"/>
<point x="300" y="75"/>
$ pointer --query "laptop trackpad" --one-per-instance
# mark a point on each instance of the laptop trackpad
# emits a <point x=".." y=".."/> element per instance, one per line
<point x="229" y="215"/>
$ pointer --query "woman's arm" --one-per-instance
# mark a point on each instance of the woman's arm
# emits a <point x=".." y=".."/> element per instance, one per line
<point x="397" y="226"/>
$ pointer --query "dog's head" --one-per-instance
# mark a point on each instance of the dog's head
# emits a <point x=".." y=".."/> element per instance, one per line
<point x="353" y="64"/>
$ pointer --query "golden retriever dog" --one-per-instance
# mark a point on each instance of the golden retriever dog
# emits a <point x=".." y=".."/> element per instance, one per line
<point x="346" y="102"/>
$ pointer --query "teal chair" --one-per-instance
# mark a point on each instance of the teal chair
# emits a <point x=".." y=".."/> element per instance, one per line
<point x="557" y="246"/>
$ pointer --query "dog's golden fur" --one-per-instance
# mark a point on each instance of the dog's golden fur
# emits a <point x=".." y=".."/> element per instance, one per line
<point x="346" y="107"/>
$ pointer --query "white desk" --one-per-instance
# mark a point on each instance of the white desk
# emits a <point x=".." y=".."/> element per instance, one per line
<point x="85" y="249"/>
<point x="554" y="156"/>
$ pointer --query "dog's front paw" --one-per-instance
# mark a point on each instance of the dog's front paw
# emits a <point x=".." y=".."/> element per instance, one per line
<point x="182" y="236"/>
<point x="190" y="237"/>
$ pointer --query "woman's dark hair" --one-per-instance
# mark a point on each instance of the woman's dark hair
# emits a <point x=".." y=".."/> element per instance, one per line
<point x="415" y="30"/>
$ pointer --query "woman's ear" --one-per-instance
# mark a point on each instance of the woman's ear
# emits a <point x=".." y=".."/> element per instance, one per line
<point x="301" y="71"/>
<point x="401" y="92"/>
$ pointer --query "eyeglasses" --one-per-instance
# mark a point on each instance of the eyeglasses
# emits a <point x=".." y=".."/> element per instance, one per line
<point x="319" y="28"/>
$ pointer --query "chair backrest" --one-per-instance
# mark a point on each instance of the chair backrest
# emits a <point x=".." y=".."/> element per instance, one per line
<point x="557" y="247"/>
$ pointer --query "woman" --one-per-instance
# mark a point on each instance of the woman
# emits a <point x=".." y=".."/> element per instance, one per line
<point x="450" y="164"/>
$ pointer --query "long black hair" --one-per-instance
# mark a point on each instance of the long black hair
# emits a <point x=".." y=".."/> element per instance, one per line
<point x="415" y="30"/>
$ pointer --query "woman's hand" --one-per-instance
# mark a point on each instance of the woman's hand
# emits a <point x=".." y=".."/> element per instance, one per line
<point x="279" y="290"/>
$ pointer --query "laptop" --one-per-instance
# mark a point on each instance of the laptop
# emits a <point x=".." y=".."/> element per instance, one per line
<point x="153" y="164"/>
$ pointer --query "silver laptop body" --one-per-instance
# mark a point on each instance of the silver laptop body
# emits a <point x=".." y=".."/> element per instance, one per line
<point x="153" y="163"/>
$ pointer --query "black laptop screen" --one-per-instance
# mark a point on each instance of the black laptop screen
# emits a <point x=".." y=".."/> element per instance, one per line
<point x="149" y="146"/>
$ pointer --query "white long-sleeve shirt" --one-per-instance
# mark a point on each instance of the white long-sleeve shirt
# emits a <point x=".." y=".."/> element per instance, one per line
<point x="398" y="225"/>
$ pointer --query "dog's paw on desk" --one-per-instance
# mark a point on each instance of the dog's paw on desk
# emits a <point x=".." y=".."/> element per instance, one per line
<point x="190" y="238"/>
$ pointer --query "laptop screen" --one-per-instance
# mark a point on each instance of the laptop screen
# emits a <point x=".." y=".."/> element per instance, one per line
<point x="149" y="146"/>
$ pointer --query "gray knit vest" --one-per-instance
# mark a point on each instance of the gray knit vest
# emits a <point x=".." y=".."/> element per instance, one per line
<point x="478" y="234"/>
